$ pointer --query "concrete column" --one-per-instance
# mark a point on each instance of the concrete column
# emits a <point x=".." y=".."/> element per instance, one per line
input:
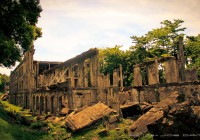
<point x="85" y="75"/>
<point x="115" y="77"/>
<point x="121" y="75"/>
<point x="137" y="76"/>
<point x="107" y="80"/>
<point x="71" y="75"/>
<point x="153" y="76"/>
<point x="80" y="79"/>
<point x="94" y="70"/>
<point x="171" y="71"/>
<point x="135" y="96"/>
<point x="181" y="59"/>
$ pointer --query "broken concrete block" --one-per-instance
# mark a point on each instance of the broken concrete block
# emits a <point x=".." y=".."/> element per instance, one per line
<point x="88" y="116"/>
<point x="64" y="111"/>
<point x="155" y="114"/>
<point x="171" y="116"/>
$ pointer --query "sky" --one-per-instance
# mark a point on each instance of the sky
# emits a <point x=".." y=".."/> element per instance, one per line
<point x="71" y="27"/>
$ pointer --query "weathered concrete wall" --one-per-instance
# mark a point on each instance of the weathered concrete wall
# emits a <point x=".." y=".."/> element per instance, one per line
<point x="153" y="76"/>
<point x="137" y="76"/>
<point x="171" y="71"/>
<point x="191" y="75"/>
<point x="159" y="93"/>
<point x="22" y="81"/>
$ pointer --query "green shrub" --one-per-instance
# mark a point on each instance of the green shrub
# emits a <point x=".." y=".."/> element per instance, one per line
<point x="38" y="125"/>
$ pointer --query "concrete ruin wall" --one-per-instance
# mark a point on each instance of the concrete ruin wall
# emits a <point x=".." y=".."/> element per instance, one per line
<point x="171" y="71"/>
<point x="22" y="81"/>
<point x="153" y="77"/>
<point x="156" y="91"/>
<point x="47" y="87"/>
<point x="191" y="75"/>
<point x="157" y="94"/>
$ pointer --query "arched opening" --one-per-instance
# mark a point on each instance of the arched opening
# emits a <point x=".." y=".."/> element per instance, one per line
<point x="60" y="103"/>
<point x="26" y="102"/>
<point x="46" y="107"/>
<point x="52" y="105"/>
<point x="41" y="104"/>
<point x="37" y="103"/>
<point x="33" y="107"/>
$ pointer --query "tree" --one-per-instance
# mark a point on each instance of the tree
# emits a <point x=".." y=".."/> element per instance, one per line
<point x="192" y="51"/>
<point x="111" y="58"/>
<point x="160" y="41"/>
<point x="3" y="79"/>
<point x="18" y="29"/>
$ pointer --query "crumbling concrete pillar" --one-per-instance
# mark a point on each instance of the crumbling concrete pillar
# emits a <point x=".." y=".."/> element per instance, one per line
<point x="85" y="74"/>
<point x="71" y="75"/>
<point x="115" y="77"/>
<point x="137" y="76"/>
<point x="191" y="75"/>
<point x="81" y="74"/>
<point x="94" y="70"/>
<point x="101" y="82"/>
<point x="121" y="75"/>
<point x="135" y="96"/>
<point x="107" y="80"/>
<point x="153" y="76"/>
<point x="171" y="71"/>
<point x="181" y="59"/>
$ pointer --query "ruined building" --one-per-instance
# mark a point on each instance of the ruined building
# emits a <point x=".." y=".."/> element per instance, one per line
<point x="47" y="87"/>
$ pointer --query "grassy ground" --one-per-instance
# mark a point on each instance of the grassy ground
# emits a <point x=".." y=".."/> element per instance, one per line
<point x="42" y="130"/>
<point x="10" y="129"/>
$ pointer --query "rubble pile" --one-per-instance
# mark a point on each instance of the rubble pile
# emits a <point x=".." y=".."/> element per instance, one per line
<point x="174" y="115"/>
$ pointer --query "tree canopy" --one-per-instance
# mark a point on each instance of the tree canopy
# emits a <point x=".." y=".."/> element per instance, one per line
<point x="18" y="29"/>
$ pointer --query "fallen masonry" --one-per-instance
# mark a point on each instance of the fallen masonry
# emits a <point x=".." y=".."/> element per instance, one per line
<point x="174" y="115"/>
<point x="89" y="115"/>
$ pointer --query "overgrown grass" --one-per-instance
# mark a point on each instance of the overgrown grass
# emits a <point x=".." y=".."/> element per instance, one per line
<point x="114" y="134"/>
<point x="40" y="130"/>
<point x="16" y="132"/>
<point x="9" y="130"/>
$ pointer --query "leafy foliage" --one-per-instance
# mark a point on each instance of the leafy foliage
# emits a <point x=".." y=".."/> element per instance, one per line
<point x="192" y="51"/>
<point x="160" y="41"/>
<point x="18" y="28"/>
<point x="110" y="58"/>
<point x="3" y="78"/>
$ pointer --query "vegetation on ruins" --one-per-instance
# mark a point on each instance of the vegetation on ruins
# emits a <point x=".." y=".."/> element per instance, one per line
<point x="192" y="52"/>
<point x="3" y="79"/>
<point x="18" y="29"/>
<point x="159" y="42"/>
<point x="13" y="128"/>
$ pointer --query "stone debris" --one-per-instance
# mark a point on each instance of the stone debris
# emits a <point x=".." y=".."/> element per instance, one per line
<point x="145" y="107"/>
<point x="168" y="116"/>
<point x="4" y="97"/>
<point x="89" y="115"/>
<point x="64" y="111"/>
